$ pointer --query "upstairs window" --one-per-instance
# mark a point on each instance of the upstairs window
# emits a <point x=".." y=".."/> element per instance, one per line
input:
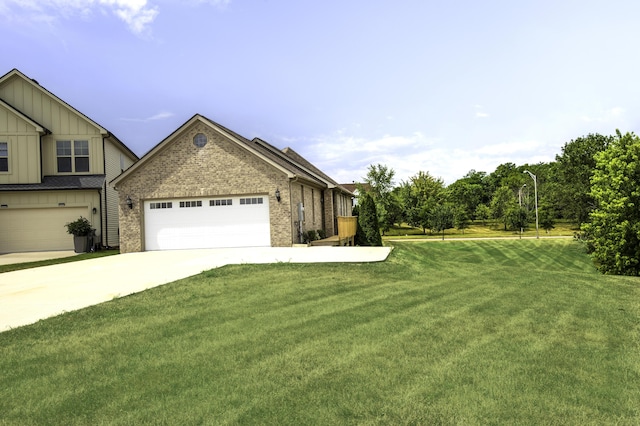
<point x="72" y="160"/>
<point x="81" y="155"/>
<point x="4" y="156"/>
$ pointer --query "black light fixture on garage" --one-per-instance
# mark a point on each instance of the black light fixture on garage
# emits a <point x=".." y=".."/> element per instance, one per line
<point x="278" y="194"/>
<point x="129" y="202"/>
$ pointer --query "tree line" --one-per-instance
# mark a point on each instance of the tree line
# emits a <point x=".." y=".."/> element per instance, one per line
<point x="593" y="182"/>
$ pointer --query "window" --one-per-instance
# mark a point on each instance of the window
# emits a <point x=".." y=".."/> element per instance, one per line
<point x="63" y="151"/>
<point x="247" y="201"/>
<point x="81" y="154"/>
<point x="213" y="203"/>
<point x="76" y="160"/>
<point x="161" y="205"/>
<point x="4" y="156"/>
<point x="200" y="140"/>
<point x="190" y="203"/>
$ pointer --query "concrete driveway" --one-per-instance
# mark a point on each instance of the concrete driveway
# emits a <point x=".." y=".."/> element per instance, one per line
<point x="30" y="295"/>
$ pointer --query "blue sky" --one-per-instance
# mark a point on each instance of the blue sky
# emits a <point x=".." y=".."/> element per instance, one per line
<point x="436" y="86"/>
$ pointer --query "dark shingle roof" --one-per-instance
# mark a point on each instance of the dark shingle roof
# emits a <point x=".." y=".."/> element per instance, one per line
<point x="59" y="182"/>
<point x="272" y="153"/>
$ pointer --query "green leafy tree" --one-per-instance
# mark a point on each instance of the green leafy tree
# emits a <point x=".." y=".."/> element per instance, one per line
<point x="369" y="229"/>
<point x="502" y="199"/>
<point x="507" y="174"/>
<point x="516" y="217"/>
<point x="380" y="184"/>
<point x="461" y="219"/>
<point x="614" y="231"/>
<point x="470" y="191"/>
<point x="442" y="218"/>
<point x="419" y="196"/>
<point x="573" y="170"/>
<point x="483" y="212"/>
<point x="546" y="218"/>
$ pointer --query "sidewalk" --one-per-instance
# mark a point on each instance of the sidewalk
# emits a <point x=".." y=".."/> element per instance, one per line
<point x="11" y="258"/>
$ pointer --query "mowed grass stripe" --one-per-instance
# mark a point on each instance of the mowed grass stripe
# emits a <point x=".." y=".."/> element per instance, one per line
<point x="440" y="333"/>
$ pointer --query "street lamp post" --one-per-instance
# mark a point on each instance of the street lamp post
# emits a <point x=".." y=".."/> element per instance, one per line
<point x="535" y="190"/>
<point x="520" y="203"/>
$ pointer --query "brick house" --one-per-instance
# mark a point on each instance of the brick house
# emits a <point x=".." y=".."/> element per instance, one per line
<point x="205" y="186"/>
<point x="55" y="163"/>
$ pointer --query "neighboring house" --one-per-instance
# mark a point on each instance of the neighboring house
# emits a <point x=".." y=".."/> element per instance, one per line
<point x="55" y="163"/>
<point x="205" y="186"/>
<point x="353" y="188"/>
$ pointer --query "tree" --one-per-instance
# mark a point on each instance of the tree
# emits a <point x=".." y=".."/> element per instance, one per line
<point x="500" y="203"/>
<point x="573" y="170"/>
<point x="461" y="219"/>
<point x="516" y="217"/>
<point x="369" y="234"/>
<point x="613" y="235"/>
<point x="470" y="191"/>
<point x="442" y="217"/>
<point x="547" y="220"/>
<point x="419" y="196"/>
<point x="380" y="184"/>
<point x="483" y="212"/>
<point x="507" y="174"/>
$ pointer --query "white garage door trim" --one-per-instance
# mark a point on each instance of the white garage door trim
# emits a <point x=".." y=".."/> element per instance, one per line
<point x="37" y="229"/>
<point x="213" y="222"/>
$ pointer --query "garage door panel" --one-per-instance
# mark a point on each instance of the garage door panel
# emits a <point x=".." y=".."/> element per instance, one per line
<point x="206" y="226"/>
<point x="37" y="229"/>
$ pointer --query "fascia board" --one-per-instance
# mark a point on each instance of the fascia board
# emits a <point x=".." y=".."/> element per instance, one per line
<point x="39" y="128"/>
<point x="37" y="85"/>
<point x="291" y="160"/>
<point x="160" y="146"/>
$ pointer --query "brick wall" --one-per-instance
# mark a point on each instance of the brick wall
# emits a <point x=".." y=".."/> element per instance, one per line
<point x="221" y="167"/>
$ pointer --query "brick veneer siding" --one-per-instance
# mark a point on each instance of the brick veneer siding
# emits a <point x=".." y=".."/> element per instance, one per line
<point x="330" y="220"/>
<point x="221" y="167"/>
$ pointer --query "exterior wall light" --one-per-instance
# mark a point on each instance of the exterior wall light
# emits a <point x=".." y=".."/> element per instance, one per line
<point x="129" y="202"/>
<point x="94" y="210"/>
<point x="278" y="194"/>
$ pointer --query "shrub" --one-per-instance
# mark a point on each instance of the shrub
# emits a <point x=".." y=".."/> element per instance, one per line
<point x="368" y="223"/>
<point x="310" y="236"/>
<point x="79" y="227"/>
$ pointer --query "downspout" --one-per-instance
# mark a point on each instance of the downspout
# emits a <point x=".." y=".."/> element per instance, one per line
<point x="294" y="231"/>
<point x="41" y="177"/>
<point x="104" y="224"/>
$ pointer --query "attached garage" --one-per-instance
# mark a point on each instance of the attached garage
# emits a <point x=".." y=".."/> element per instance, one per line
<point x="37" y="229"/>
<point x="205" y="186"/>
<point x="212" y="222"/>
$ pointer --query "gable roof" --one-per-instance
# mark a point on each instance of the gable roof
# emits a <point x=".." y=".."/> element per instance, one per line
<point x="257" y="147"/>
<point x="15" y="73"/>
<point x="39" y="127"/>
<point x="300" y="159"/>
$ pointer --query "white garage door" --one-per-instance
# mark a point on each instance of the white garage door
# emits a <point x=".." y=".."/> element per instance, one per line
<point x="207" y="223"/>
<point x="37" y="229"/>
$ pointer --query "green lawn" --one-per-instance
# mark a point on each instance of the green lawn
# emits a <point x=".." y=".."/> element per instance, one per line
<point x="478" y="229"/>
<point x="75" y="258"/>
<point x="468" y="332"/>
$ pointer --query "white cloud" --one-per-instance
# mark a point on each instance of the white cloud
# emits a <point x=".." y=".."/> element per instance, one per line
<point x="137" y="14"/>
<point x="479" y="111"/>
<point x="611" y="115"/>
<point x="163" y="115"/>
<point x="347" y="158"/>
<point x="509" y="148"/>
